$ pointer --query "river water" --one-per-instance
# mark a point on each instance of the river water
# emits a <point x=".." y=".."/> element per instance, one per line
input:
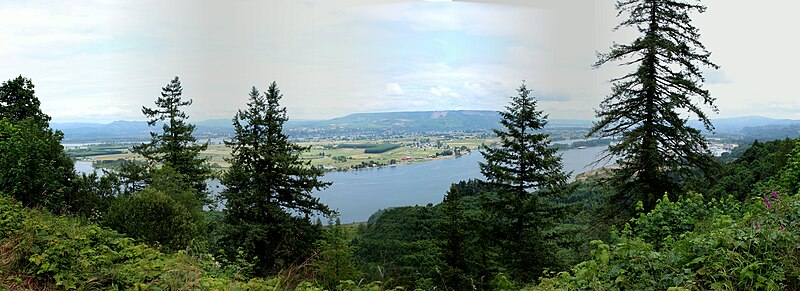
<point x="358" y="194"/>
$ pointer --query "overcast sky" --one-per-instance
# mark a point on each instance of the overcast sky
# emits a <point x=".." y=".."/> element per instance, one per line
<point x="101" y="60"/>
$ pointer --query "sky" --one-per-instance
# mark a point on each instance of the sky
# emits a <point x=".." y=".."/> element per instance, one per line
<point x="102" y="60"/>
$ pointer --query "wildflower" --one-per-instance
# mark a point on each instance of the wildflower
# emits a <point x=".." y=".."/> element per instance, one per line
<point x="775" y="195"/>
<point x="766" y="201"/>
<point x="756" y="226"/>
<point x="783" y="228"/>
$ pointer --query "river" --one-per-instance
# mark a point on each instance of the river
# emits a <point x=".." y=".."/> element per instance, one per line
<point x="358" y="194"/>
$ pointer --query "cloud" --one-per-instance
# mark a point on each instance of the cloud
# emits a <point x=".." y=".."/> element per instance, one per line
<point x="716" y="77"/>
<point x="556" y="97"/>
<point x="475" y="88"/>
<point x="103" y="60"/>
<point x="393" y="89"/>
<point x="443" y="91"/>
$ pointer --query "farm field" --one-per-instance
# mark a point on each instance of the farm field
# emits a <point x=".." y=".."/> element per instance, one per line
<point x="337" y="155"/>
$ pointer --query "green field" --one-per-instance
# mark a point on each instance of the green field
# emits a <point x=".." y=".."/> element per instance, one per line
<point x="333" y="155"/>
<point x="96" y="150"/>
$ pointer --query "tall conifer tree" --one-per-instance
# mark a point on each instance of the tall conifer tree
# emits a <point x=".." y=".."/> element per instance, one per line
<point x="644" y="110"/>
<point x="268" y="196"/>
<point x="526" y="173"/>
<point x="175" y="146"/>
<point x="454" y="234"/>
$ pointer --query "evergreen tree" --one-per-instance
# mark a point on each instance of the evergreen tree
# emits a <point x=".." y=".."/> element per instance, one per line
<point x="656" y="145"/>
<point x="526" y="174"/>
<point x="18" y="102"/>
<point x="454" y="236"/>
<point x="175" y="146"/>
<point x="268" y="196"/>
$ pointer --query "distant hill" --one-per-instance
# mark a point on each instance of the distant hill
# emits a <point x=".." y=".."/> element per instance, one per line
<point x="749" y="128"/>
<point x="353" y="125"/>
<point x="737" y="124"/>
<point x="132" y="130"/>
<point x="425" y="121"/>
<point x="115" y="131"/>
<point x="421" y="121"/>
<point x="390" y="123"/>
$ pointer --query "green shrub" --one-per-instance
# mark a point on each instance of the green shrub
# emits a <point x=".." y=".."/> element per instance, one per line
<point x="754" y="249"/>
<point x="66" y="253"/>
<point x="334" y="262"/>
<point x="670" y="220"/>
<point x="166" y="213"/>
<point x="154" y="217"/>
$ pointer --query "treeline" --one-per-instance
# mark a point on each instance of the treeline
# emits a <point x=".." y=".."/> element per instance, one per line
<point x="371" y="148"/>
<point x="583" y="143"/>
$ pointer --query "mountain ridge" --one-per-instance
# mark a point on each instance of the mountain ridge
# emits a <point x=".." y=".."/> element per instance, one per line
<point x="384" y="123"/>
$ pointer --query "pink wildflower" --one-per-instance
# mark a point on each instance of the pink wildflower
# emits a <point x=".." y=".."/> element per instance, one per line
<point x="775" y="195"/>
<point x="766" y="201"/>
<point x="783" y="228"/>
<point x="756" y="226"/>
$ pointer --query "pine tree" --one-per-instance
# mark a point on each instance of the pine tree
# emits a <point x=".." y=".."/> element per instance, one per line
<point x="175" y="146"/>
<point x="526" y="174"/>
<point x="656" y="145"/>
<point x="268" y="196"/>
<point x="454" y="234"/>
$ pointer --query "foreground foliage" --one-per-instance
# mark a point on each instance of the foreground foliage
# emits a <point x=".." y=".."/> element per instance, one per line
<point x="719" y="245"/>
<point x="39" y="250"/>
<point x="697" y="243"/>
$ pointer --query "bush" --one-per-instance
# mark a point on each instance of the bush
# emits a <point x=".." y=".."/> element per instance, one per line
<point x="754" y="249"/>
<point x="670" y="220"/>
<point x="154" y="217"/>
<point x="43" y="251"/>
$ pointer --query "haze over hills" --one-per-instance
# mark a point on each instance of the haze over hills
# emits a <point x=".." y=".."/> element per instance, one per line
<point x="735" y="124"/>
<point x="387" y="123"/>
